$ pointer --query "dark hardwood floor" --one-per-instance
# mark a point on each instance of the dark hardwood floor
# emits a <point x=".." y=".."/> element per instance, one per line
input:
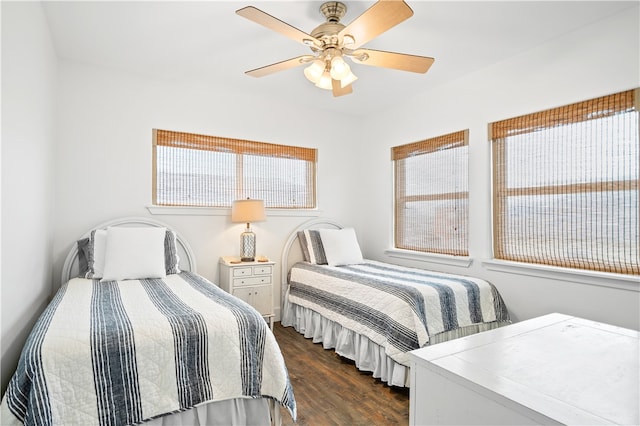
<point x="330" y="390"/>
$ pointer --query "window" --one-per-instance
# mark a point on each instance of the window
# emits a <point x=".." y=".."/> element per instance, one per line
<point x="198" y="170"/>
<point x="431" y="194"/>
<point x="566" y="185"/>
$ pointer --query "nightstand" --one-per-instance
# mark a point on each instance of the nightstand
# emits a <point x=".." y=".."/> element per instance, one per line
<point x="251" y="282"/>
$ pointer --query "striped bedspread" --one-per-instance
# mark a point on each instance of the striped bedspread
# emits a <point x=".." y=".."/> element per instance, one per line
<point x="398" y="308"/>
<point x="119" y="353"/>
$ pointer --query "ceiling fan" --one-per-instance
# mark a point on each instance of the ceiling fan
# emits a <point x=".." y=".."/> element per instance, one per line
<point x="331" y="42"/>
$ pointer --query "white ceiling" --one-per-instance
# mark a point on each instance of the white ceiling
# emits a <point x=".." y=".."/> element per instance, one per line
<point x="208" y="43"/>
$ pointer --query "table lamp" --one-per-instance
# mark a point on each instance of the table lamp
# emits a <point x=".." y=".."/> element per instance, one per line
<point x="247" y="211"/>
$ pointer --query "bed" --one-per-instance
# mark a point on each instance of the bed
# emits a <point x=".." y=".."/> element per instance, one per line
<point x="135" y="336"/>
<point x="374" y="313"/>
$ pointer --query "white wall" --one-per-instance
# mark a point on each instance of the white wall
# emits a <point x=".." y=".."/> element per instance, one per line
<point x="28" y="94"/>
<point x="600" y="59"/>
<point x="104" y="156"/>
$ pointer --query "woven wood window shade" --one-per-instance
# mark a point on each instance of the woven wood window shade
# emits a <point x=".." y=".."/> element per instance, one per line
<point x="431" y="194"/>
<point x="565" y="185"/>
<point x="198" y="170"/>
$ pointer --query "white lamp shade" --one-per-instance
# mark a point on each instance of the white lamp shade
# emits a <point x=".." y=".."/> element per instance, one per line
<point x="248" y="211"/>
<point x="314" y="71"/>
<point x="350" y="78"/>
<point x="339" y="68"/>
<point x="325" y="81"/>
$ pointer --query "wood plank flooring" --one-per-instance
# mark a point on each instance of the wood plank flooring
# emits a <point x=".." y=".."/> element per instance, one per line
<point x="330" y="390"/>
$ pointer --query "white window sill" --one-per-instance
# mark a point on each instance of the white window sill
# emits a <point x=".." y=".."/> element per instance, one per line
<point x="602" y="279"/>
<point x="460" y="261"/>
<point x="226" y="211"/>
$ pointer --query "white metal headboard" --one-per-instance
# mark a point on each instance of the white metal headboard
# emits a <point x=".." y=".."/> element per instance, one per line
<point x="292" y="253"/>
<point x="71" y="268"/>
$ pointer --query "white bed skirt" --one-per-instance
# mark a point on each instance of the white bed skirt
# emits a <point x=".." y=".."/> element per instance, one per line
<point x="240" y="411"/>
<point x="367" y="355"/>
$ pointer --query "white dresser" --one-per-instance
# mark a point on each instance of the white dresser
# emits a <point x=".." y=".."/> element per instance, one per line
<point x="555" y="369"/>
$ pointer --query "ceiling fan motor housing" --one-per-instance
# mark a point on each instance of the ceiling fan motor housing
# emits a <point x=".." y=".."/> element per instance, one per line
<point x="327" y="32"/>
<point x="333" y="10"/>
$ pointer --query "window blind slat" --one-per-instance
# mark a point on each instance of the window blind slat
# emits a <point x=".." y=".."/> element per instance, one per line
<point x="238" y="146"/>
<point x="451" y="140"/>
<point x="581" y="111"/>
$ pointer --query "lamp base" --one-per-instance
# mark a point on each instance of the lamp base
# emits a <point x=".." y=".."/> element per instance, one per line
<point x="247" y="246"/>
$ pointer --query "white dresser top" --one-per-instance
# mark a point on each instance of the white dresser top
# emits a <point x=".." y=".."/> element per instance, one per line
<point x="569" y="369"/>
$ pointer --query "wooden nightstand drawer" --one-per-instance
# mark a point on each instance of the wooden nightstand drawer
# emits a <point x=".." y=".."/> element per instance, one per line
<point x="252" y="280"/>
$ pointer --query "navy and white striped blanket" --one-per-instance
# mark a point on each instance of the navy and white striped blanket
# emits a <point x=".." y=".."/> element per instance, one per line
<point x="124" y="352"/>
<point x="398" y="308"/>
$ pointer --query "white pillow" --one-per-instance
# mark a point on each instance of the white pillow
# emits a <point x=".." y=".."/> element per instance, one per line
<point x="341" y="246"/>
<point x="134" y="253"/>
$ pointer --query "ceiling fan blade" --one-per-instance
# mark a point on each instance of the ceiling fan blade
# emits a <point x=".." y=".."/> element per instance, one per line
<point x="398" y="61"/>
<point x="338" y="90"/>
<point x="273" y="23"/>
<point x="380" y="17"/>
<point x="280" y="66"/>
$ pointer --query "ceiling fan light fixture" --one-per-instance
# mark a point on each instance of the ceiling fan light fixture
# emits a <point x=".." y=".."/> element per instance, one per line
<point x="332" y="40"/>
<point x="314" y="71"/>
<point x="339" y="68"/>
<point x="325" y="81"/>
<point x="347" y="80"/>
